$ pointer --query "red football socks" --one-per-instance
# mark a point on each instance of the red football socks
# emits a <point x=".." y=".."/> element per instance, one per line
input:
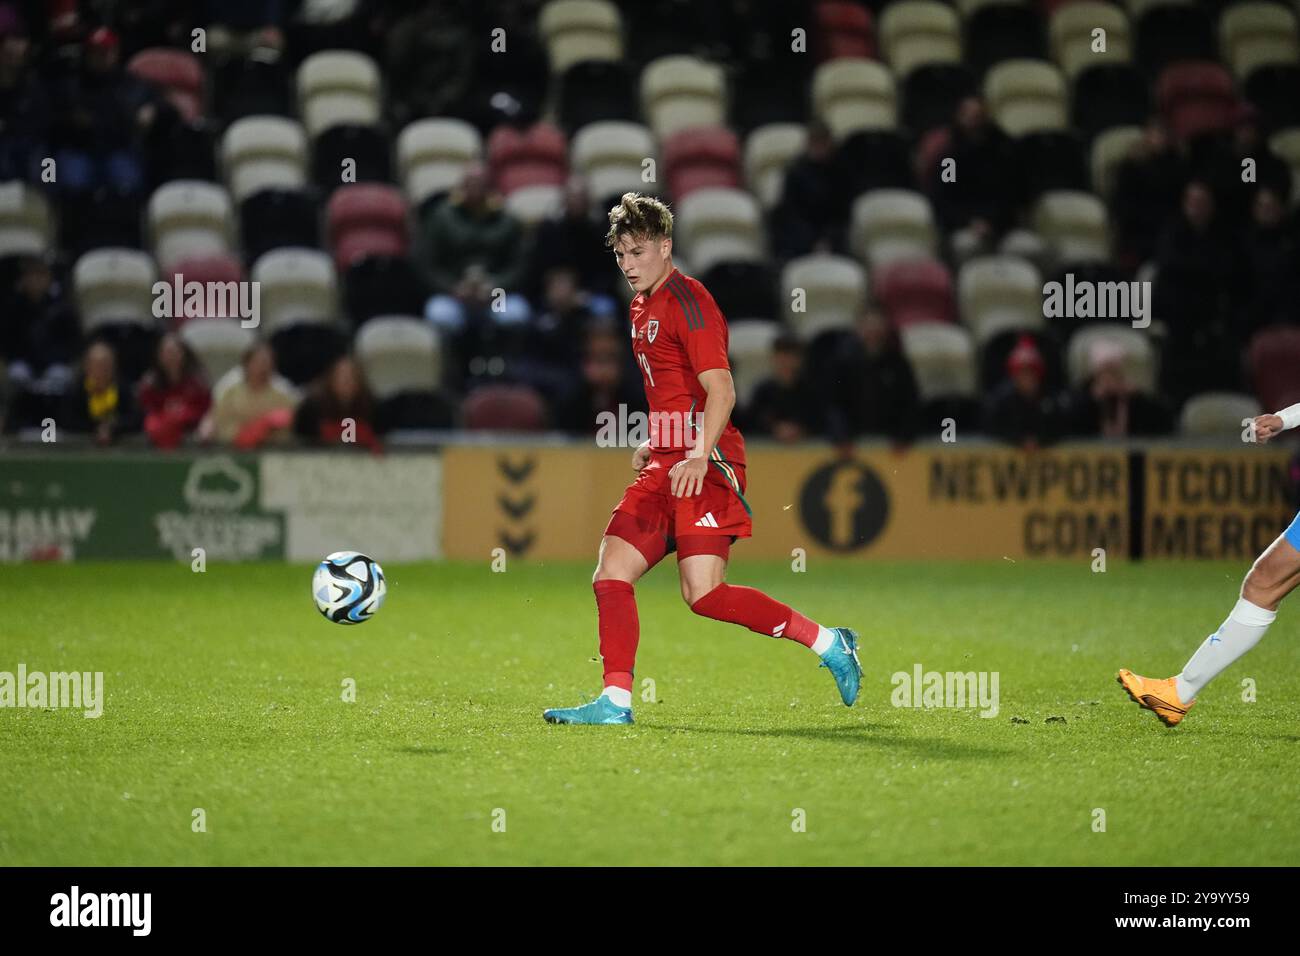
<point x="753" y="609"/>
<point x="620" y="631"/>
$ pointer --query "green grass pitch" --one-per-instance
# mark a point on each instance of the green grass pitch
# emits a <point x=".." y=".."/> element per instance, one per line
<point x="224" y="692"/>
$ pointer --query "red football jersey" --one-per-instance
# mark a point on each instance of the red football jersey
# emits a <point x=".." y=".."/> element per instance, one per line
<point x="677" y="333"/>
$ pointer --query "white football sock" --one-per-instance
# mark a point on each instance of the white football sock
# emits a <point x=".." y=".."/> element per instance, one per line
<point x="825" y="638"/>
<point x="618" y="696"/>
<point x="1239" y="633"/>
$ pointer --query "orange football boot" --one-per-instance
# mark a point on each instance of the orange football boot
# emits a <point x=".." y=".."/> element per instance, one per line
<point x="1158" y="696"/>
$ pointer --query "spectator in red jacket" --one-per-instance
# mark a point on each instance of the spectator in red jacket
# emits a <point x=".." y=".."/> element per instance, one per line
<point x="173" y="395"/>
<point x="339" y="410"/>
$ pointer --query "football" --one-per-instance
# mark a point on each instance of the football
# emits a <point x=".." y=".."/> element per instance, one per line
<point x="348" y="587"/>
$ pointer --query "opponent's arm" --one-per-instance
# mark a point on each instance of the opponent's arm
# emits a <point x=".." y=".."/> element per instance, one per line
<point x="1269" y="426"/>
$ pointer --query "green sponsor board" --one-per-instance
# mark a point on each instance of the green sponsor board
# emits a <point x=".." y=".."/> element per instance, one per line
<point x="70" y="506"/>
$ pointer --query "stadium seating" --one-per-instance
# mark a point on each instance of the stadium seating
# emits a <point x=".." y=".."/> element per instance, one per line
<point x="750" y="349"/>
<point x="914" y="290"/>
<point x="263" y="152"/>
<point x="524" y="158"/>
<point x="769" y="151"/>
<point x="891" y="224"/>
<point x="576" y="31"/>
<point x="297" y="285"/>
<point x="337" y="86"/>
<point x="999" y="294"/>
<point x="114" y="285"/>
<point x="220" y="268"/>
<point x="1074" y="226"/>
<point x="678" y="92"/>
<point x="366" y="219"/>
<point x="188" y="218"/>
<point x="1195" y="98"/>
<point x="611" y="156"/>
<point x="508" y="408"/>
<point x="701" y="157"/>
<point x="177" y="73"/>
<point x="919" y="34"/>
<point x="716" y="225"/>
<point x="432" y="155"/>
<point x="843" y="29"/>
<point x="1071" y="30"/>
<point x="1215" y="414"/>
<point x="25" y="222"/>
<point x="399" y="354"/>
<point x="822" y="292"/>
<point x="1026" y="96"/>
<point x="1253" y="35"/>
<point x="942" y="358"/>
<point x="853" y="94"/>
<point x="219" y="345"/>
<point x="1273" y="356"/>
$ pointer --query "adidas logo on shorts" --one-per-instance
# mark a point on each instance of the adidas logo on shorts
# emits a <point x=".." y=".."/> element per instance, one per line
<point x="708" y="521"/>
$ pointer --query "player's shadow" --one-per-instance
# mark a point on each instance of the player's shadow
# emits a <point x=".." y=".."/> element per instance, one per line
<point x="860" y="735"/>
<point x="420" y="751"/>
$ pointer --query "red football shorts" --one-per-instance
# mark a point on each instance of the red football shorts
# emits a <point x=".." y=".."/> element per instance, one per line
<point x="655" y="522"/>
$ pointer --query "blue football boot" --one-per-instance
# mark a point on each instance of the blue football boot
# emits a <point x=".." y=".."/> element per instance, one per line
<point x="841" y="659"/>
<point x="600" y="711"/>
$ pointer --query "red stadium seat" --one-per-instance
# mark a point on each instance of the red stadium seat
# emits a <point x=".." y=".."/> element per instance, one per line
<point x="1195" y="98"/>
<point x="700" y="157"/>
<point x="537" y="156"/>
<point x="357" y="244"/>
<point x="844" y="30"/>
<point x="1274" y="357"/>
<point x="507" y="408"/>
<point x="365" y="219"/>
<point x="219" y="268"/>
<point x="914" y="290"/>
<point x="177" y="73"/>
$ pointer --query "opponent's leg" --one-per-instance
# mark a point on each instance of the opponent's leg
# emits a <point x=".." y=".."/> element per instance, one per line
<point x="702" y="563"/>
<point x="1273" y="576"/>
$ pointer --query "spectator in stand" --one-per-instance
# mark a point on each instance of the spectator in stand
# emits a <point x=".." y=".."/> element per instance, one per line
<point x="339" y="410"/>
<point x="99" y="404"/>
<point x="1107" y="405"/>
<point x="1222" y="167"/>
<point x="1019" y="410"/>
<point x="103" y="114"/>
<point x="470" y="244"/>
<point x="252" y="405"/>
<point x="980" y="204"/>
<point x="605" y="385"/>
<point x="470" y="247"/>
<point x="173" y="395"/>
<point x="40" y="339"/>
<point x="1148" y="184"/>
<point x="1197" y="269"/>
<point x="25" y="109"/>
<point x="786" y="406"/>
<point x="553" y="357"/>
<point x="574" y="239"/>
<point x="430" y="53"/>
<point x="1271" y="259"/>
<point x="813" y="208"/>
<point x="865" y="381"/>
